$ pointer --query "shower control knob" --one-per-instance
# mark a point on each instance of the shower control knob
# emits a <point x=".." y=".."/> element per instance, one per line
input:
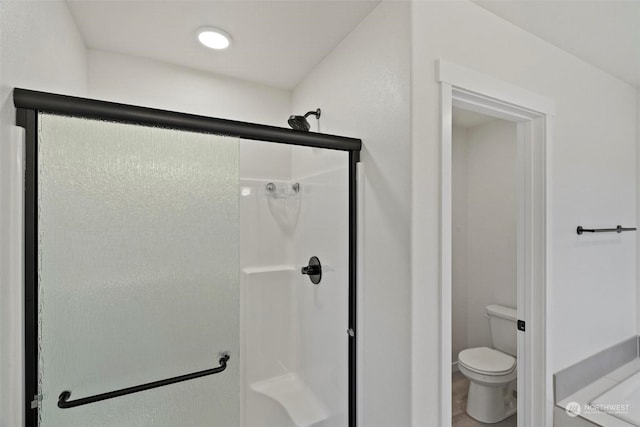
<point x="313" y="270"/>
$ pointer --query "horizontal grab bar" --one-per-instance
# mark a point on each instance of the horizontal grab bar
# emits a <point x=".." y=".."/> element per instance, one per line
<point x="618" y="229"/>
<point x="64" y="402"/>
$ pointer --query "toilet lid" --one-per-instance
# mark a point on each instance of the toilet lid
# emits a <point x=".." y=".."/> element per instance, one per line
<point x="487" y="361"/>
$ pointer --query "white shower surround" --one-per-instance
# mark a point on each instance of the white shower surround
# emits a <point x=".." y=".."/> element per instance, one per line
<point x="294" y="342"/>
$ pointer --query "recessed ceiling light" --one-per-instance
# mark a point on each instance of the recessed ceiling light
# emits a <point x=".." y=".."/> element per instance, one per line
<point x="214" y="38"/>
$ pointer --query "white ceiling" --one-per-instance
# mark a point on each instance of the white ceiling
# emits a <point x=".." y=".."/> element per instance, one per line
<point x="468" y="119"/>
<point x="605" y="33"/>
<point x="274" y="42"/>
<point x="278" y="42"/>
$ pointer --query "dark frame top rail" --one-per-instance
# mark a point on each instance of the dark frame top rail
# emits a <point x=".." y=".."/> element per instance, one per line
<point x="618" y="229"/>
<point x="64" y="402"/>
<point x="103" y="110"/>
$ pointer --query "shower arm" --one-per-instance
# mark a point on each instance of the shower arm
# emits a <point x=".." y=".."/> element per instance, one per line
<point x="315" y="113"/>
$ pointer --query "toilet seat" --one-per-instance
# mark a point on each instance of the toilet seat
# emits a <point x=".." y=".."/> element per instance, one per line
<point x="487" y="361"/>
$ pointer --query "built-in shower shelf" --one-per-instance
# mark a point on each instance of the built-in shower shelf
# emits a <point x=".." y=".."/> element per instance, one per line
<point x="268" y="269"/>
<point x="302" y="405"/>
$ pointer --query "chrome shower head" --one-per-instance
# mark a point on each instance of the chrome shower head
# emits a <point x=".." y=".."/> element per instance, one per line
<point x="301" y="123"/>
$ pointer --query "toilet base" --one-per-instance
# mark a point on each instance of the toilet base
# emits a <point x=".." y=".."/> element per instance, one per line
<point x="491" y="403"/>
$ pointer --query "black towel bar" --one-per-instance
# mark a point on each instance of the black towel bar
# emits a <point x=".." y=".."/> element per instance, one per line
<point x="618" y="229"/>
<point x="64" y="403"/>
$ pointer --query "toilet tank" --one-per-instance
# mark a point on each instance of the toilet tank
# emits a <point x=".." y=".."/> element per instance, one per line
<point x="502" y="323"/>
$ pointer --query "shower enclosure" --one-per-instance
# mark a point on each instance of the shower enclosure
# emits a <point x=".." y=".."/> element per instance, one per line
<point x="182" y="270"/>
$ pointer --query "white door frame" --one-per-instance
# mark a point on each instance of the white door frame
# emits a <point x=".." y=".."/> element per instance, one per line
<point x="532" y="113"/>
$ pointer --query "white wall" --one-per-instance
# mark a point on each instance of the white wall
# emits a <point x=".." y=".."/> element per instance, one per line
<point x="491" y="224"/>
<point x="149" y="83"/>
<point x="486" y="253"/>
<point x="459" y="301"/>
<point x="638" y="209"/>
<point x="40" y="49"/>
<point x="363" y="88"/>
<point x="591" y="180"/>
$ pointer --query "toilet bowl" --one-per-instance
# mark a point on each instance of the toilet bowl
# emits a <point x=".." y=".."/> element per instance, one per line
<point x="492" y="376"/>
<point x="492" y="372"/>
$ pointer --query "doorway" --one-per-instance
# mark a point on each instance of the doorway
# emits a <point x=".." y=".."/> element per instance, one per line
<point x="484" y="270"/>
<point x="532" y="116"/>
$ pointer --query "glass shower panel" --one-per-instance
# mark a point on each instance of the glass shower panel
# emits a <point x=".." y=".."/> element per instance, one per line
<point x="138" y="273"/>
<point x="295" y="340"/>
<point x="323" y="309"/>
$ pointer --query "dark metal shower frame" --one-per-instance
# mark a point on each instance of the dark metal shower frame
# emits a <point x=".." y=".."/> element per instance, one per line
<point x="29" y="103"/>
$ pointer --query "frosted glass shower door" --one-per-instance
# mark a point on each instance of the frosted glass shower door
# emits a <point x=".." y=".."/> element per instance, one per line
<point x="138" y="273"/>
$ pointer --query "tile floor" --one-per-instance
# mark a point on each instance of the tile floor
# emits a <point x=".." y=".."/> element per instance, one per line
<point x="459" y="389"/>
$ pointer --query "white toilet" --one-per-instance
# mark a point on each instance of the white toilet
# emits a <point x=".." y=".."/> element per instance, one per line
<point x="492" y="372"/>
